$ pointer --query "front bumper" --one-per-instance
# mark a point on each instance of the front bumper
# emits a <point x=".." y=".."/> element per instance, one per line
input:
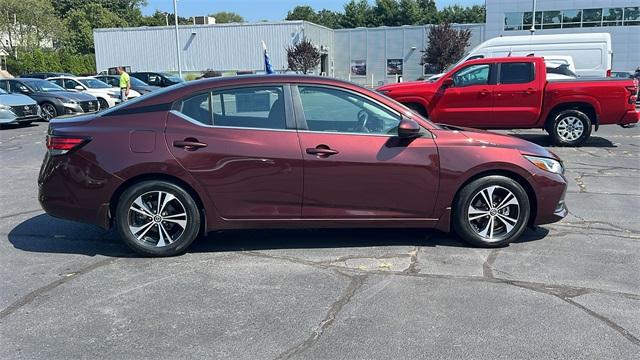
<point x="550" y="194"/>
<point x="9" y="117"/>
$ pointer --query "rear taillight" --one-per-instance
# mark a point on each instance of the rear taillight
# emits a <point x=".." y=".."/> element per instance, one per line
<point x="60" y="145"/>
<point x="633" y="92"/>
<point x="609" y="73"/>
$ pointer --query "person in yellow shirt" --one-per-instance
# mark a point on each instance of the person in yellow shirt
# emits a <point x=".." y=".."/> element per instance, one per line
<point x="125" y="84"/>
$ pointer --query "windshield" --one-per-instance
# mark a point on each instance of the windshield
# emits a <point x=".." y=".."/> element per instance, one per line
<point x="94" y="84"/>
<point x="43" y="85"/>
<point x="172" y="77"/>
<point x="137" y="82"/>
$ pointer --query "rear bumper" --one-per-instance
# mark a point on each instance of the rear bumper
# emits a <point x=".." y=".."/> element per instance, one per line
<point x="630" y="118"/>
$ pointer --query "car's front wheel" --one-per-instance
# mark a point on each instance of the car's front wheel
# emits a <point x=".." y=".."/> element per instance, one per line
<point x="157" y="218"/>
<point x="103" y="104"/>
<point x="48" y="111"/>
<point x="491" y="211"/>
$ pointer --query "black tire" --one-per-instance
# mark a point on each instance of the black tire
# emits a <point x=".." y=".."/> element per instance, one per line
<point x="417" y="108"/>
<point x="470" y="230"/>
<point x="126" y="218"/>
<point x="103" y="103"/>
<point x="50" y="111"/>
<point x="563" y="124"/>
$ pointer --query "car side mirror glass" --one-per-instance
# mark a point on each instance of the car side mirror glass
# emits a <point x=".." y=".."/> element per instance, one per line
<point x="78" y="87"/>
<point x="408" y="128"/>
<point x="447" y="83"/>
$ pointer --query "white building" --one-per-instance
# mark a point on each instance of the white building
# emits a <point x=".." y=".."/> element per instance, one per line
<point x="620" y="18"/>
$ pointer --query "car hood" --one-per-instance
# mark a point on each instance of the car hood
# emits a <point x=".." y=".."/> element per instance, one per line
<point x="65" y="95"/>
<point x="16" y="99"/>
<point x="486" y="138"/>
<point x="409" y="87"/>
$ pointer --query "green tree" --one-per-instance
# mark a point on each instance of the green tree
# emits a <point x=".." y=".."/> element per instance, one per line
<point x="410" y="12"/>
<point x="129" y="10"/>
<point x="357" y="13"/>
<point x="81" y="22"/>
<point x="446" y="46"/>
<point x="329" y="18"/>
<point x="28" y="25"/>
<point x="224" y="17"/>
<point x="303" y="56"/>
<point x="386" y="13"/>
<point x="429" y="11"/>
<point x="302" y="12"/>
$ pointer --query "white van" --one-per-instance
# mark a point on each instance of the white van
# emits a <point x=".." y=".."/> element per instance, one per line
<point x="591" y="53"/>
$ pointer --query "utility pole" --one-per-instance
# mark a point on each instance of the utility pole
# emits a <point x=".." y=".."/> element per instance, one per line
<point x="175" y="14"/>
<point x="533" y="18"/>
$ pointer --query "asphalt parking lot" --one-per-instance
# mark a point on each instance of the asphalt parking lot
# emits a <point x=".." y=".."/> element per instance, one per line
<point x="567" y="290"/>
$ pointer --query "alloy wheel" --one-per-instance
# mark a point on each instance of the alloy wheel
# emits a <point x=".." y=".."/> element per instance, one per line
<point x="570" y="128"/>
<point x="48" y="112"/>
<point x="157" y="218"/>
<point x="493" y="213"/>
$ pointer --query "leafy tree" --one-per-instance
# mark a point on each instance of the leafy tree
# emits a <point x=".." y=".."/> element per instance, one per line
<point x="28" y="25"/>
<point x="429" y="11"/>
<point x="303" y="56"/>
<point x="224" y="17"/>
<point x="302" y="12"/>
<point x="81" y="22"/>
<point x="410" y="12"/>
<point x="386" y="13"/>
<point x="462" y="15"/>
<point x="128" y="10"/>
<point x="357" y="13"/>
<point x="329" y="18"/>
<point x="446" y="46"/>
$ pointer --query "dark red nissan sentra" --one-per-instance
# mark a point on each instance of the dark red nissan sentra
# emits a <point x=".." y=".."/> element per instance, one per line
<point x="289" y="152"/>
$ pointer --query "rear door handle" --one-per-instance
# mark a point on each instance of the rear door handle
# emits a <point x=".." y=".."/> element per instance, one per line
<point x="322" y="152"/>
<point x="189" y="144"/>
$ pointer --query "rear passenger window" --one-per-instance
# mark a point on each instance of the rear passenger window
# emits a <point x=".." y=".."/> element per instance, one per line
<point x="255" y="107"/>
<point x="198" y="108"/>
<point x="516" y="73"/>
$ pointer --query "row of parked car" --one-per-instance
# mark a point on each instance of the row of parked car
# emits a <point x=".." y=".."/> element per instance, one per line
<point x="37" y="96"/>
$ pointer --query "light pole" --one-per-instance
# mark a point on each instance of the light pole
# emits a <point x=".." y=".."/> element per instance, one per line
<point x="533" y="18"/>
<point x="175" y="14"/>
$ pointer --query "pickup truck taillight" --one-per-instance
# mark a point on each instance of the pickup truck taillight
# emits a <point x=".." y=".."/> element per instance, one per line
<point x="60" y="145"/>
<point x="633" y="92"/>
<point x="609" y="73"/>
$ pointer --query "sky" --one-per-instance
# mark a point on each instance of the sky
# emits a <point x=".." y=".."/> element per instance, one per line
<point x="256" y="10"/>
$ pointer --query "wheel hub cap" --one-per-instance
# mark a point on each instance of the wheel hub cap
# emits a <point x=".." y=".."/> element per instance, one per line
<point x="157" y="218"/>
<point x="493" y="213"/>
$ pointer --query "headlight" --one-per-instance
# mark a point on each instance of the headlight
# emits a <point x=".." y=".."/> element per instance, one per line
<point x="5" y="107"/>
<point x="70" y="103"/>
<point x="546" y="164"/>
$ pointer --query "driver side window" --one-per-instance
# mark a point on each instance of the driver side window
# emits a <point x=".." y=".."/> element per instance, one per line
<point x="472" y="75"/>
<point x="332" y="110"/>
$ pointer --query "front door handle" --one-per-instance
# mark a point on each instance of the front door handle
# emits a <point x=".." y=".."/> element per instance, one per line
<point x="322" y="151"/>
<point x="530" y="91"/>
<point x="484" y="92"/>
<point x="189" y="144"/>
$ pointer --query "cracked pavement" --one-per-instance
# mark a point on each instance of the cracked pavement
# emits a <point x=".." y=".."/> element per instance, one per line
<point x="565" y="290"/>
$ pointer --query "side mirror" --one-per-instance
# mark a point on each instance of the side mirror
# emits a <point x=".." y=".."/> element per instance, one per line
<point x="79" y="88"/>
<point x="447" y="83"/>
<point x="408" y="128"/>
<point x="25" y="90"/>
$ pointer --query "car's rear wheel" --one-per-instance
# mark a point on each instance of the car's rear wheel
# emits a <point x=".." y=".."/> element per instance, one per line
<point x="48" y="111"/>
<point x="570" y="128"/>
<point x="491" y="211"/>
<point x="157" y="218"/>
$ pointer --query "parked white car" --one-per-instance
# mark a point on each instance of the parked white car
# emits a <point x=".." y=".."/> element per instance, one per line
<point x="107" y="95"/>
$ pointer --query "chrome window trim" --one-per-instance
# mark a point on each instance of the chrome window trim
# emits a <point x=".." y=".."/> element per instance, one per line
<point x="196" y="122"/>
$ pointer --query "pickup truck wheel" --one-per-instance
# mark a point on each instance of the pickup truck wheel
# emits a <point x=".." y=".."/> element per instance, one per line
<point x="570" y="128"/>
<point x="417" y="108"/>
<point x="491" y="211"/>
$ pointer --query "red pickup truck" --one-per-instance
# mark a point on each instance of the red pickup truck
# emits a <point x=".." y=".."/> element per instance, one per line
<point x="514" y="93"/>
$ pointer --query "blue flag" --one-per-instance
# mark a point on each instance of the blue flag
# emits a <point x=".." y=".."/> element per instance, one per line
<point x="268" y="68"/>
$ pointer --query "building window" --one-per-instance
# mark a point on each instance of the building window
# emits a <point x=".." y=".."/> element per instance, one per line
<point x="592" y="18"/>
<point x="571" y="18"/>
<point x="612" y="17"/>
<point x="551" y="20"/>
<point x="632" y="16"/>
<point x="513" y="21"/>
<point x="527" y="18"/>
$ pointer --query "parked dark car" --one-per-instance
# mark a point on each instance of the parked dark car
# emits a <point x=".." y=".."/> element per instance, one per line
<point x="289" y="152"/>
<point x="53" y="99"/>
<point x="157" y="79"/>
<point x="44" y="75"/>
<point x="136" y="84"/>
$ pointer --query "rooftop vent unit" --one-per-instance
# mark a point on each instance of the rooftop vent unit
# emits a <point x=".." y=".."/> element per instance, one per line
<point x="204" y="20"/>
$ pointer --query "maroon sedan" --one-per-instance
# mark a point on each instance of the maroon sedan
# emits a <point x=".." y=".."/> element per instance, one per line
<point x="289" y="152"/>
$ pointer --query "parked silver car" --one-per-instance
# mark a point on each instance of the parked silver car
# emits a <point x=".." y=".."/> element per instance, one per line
<point x="16" y="108"/>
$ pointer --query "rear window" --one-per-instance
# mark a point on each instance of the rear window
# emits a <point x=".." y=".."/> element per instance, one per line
<point x="516" y="73"/>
